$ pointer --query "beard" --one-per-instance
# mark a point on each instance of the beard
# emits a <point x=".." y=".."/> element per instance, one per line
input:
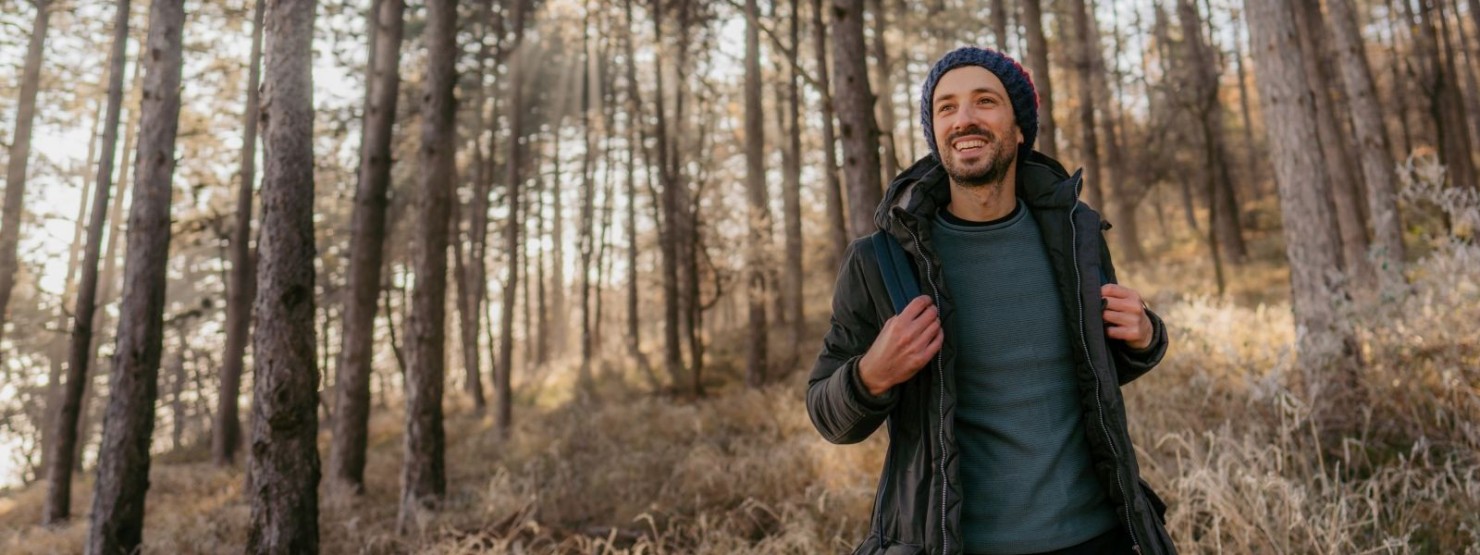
<point x="989" y="169"/>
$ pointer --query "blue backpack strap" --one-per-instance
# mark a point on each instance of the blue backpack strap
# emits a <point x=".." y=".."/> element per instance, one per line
<point x="894" y="265"/>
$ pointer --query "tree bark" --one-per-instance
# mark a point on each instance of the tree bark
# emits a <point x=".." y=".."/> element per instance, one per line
<point x="856" y="116"/>
<point x="1225" y="229"/>
<point x="503" y="370"/>
<point x="123" y="465"/>
<point x="63" y="446"/>
<point x="283" y="470"/>
<point x="1310" y="242"/>
<point x="837" y="227"/>
<point x="366" y="254"/>
<point x="759" y="218"/>
<point x="668" y="223"/>
<point x="1087" y="62"/>
<point x="475" y="274"/>
<point x="227" y="436"/>
<point x="1372" y="140"/>
<point x="884" y="101"/>
<point x="19" y="156"/>
<point x="1038" y="69"/>
<point x="999" y="25"/>
<point x="423" y="472"/>
<point x="791" y="194"/>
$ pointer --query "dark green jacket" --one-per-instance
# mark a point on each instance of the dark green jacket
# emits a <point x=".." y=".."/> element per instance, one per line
<point x="918" y="503"/>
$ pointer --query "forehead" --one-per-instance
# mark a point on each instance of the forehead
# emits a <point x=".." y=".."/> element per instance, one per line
<point x="966" y="79"/>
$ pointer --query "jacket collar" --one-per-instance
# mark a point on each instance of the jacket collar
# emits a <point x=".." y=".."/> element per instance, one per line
<point x="924" y="188"/>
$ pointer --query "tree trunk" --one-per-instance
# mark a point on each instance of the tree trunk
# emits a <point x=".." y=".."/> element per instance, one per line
<point x="227" y="437"/>
<point x="855" y="114"/>
<point x="884" y="101"/>
<point x="791" y="198"/>
<point x="366" y="254"/>
<point x="19" y="156"/>
<point x="1222" y="205"/>
<point x="758" y="221"/>
<point x="503" y="370"/>
<point x="837" y="227"/>
<point x="64" y="442"/>
<point x="999" y="25"/>
<point x="423" y="474"/>
<point x="123" y="465"/>
<point x="585" y="236"/>
<point x="1449" y="112"/>
<point x="1087" y="62"/>
<point x="283" y="470"/>
<point x="668" y="223"/>
<point x="1310" y="242"/>
<point x="1038" y="68"/>
<point x="1372" y="139"/>
<point x="1336" y="152"/>
<point x="474" y="275"/>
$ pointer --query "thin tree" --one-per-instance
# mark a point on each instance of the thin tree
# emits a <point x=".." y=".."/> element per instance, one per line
<point x="1310" y="242"/>
<point x="884" y="101"/>
<point x="856" y="117"/>
<point x="123" y="458"/>
<point x="668" y="224"/>
<point x="283" y="470"/>
<point x="1042" y="81"/>
<point x="366" y="253"/>
<point x="1371" y="138"/>
<point x="837" y="227"/>
<point x="227" y="436"/>
<point x="791" y="186"/>
<point x="759" y="218"/>
<point x="423" y="471"/>
<point x="503" y="369"/>
<point x="1087" y="64"/>
<point x="19" y="155"/>
<point x="58" y="506"/>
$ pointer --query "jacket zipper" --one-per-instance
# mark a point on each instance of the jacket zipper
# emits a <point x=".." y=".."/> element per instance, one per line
<point x="1084" y="342"/>
<point x="945" y="480"/>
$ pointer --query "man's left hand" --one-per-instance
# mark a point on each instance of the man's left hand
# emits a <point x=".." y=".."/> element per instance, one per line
<point x="1125" y="316"/>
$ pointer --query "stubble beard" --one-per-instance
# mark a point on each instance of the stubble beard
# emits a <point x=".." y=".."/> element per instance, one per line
<point x="992" y="170"/>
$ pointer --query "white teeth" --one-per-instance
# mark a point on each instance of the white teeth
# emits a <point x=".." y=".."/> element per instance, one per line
<point x="971" y="143"/>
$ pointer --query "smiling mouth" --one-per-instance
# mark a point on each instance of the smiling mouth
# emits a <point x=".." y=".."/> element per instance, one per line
<point x="969" y="145"/>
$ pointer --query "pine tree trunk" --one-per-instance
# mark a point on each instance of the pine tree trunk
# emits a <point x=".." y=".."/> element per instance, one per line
<point x="884" y="101"/>
<point x="758" y="221"/>
<point x="366" y="254"/>
<point x="19" y="156"/>
<point x="123" y="465"/>
<point x="585" y="237"/>
<point x="1311" y="245"/>
<point x="502" y="392"/>
<point x="856" y="118"/>
<point x="283" y="469"/>
<point x="423" y="474"/>
<point x="999" y="25"/>
<point x="1372" y="139"/>
<point x="475" y="275"/>
<point x="64" y="441"/>
<point x="791" y="194"/>
<point x="837" y="227"/>
<point x="227" y="437"/>
<point x="668" y="210"/>
<point x="1038" y="69"/>
<point x="1087" y="63"/>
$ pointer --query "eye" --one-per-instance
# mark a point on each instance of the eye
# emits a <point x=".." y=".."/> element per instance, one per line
<point x="945" y="108"/>
<point x="987" y="101"/>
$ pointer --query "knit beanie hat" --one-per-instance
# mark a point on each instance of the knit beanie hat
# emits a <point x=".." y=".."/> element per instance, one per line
<point x="1019" y="86"/>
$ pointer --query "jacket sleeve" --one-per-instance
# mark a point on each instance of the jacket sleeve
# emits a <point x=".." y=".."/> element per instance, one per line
<point x="842" y="409"/>
<point x="1131" y="363"/>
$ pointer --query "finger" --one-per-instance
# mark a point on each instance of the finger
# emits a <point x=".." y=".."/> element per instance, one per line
<point x="934" y="345"/>
<point x="1112" y="290"/>
<point x="928" y="333"/>
<point x="913" y="310"/>
<point x="1120" y="318"/>
<point x="1123" y="333"/>
<point x="1119" y="304"/>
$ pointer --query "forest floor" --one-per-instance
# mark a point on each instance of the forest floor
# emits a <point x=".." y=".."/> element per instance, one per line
<point x="1227" y="429"/>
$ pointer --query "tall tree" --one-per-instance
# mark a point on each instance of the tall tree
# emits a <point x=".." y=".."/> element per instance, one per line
<point x="227" y="436"/>
<point x="855" y="101"/>
<point x="791" y="186"/>
<point x="1087" y="65"/>
<point x="19" y="156"/>
<point x="366" y="253"/>
<point x="1038" y="68"/>
<point x="423" y="472"/>
<point x="884" y="101"/>
<point x="123" y="459"/>
<point x="1225" y="237"/>
<point x="1371" y="137"/>
<point x="1310" y="243"/>
<point x="668" y="232"/>
<point x="1335" y="146"/>
<point x="759" y="221"/>
<point x="503" y="369"/>
<point x="837" y="227"/>
<point x="64" y="443"/>
<point x="283" y="470"/>
<point x="473" y="278"/>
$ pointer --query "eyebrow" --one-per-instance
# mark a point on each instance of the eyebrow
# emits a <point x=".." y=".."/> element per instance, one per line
<point x="973" y="91"/>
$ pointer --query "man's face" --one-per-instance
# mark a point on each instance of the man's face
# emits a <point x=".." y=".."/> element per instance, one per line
<point x="976" y="132"/>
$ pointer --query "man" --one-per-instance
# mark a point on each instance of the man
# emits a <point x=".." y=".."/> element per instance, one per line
<point x="1001" y="383"/>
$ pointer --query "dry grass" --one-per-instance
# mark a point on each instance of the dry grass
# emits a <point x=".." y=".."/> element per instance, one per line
<point x="1224" y="426"/>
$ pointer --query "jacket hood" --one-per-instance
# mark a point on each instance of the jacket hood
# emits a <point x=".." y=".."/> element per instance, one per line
<point x="922" y="189"/>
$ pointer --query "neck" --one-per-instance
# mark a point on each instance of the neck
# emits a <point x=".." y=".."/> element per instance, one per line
<point x="984" y="203"/>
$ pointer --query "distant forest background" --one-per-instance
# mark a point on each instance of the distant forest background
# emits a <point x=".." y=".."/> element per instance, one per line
<point x="548" y="275"/>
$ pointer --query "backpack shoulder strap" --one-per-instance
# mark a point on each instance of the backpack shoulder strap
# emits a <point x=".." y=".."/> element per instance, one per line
<point x="897" y="270"/>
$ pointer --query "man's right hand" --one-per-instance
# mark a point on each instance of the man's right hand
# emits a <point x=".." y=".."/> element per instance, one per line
<point x="905" y="345"/>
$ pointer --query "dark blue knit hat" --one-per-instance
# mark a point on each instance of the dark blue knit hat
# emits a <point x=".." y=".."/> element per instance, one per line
<point x="1019" y="86"/>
